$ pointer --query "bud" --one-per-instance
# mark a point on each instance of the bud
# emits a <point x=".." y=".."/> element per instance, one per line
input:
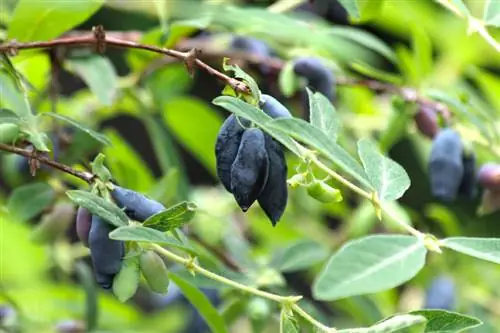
<point x="324" y="192"/>
<point x="155" y="272"/>
<point x="296" y="180"/>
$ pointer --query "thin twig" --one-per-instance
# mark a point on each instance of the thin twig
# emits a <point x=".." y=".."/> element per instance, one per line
<point x="83" y="175"/>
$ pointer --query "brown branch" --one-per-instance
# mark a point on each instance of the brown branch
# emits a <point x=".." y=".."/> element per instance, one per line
<point x="83" y="175"/>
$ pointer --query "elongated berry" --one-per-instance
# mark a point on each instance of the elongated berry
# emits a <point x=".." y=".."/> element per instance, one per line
<point x="274" y="196"/>
<point x="319" y="77"/>
<point x="427" y="121"/>
<point x="324" y="192"/>
<point x="489" y="176"/>
<point x="253" y="46"/>
<point x="106" y="253"/>
<point x="154" y="271"/>
<point x="445" y="165"/>
<point x="137" y="206"/>
<point x="250" y="169"/>
<point x="126" y="281"/>
<point x="441" y="294"/>
<point x="273" y="108"/>
<point x="468" y="185"/>
<point x="226" y="148"/>
<point x="83" y="222"/>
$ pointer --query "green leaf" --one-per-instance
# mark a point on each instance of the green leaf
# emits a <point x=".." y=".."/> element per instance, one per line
<point x="172" y="218"/>
<point x="483" y="248"/>
<point x="99" y="75"/>
<point x="87" y="281"/>
<point x="99" y="169"/>
<point x="12" y="97"/>
<point x="27" y="201"/>
<point x="366" y="40"/>
<point x="369" y="265"/>
<point x="375" y="73"/>
<point x="388" y="325"/>
<point x="8" y="133"/>
<point x="213" y="319"/>
<point x="139" y="233"/>
<point x="492" y="13"/>
<point x="196" y="127"/>
<point x="7" y="116"/>
<point x="97" y="136"/>
<point x="257" y="116"/>
<point x="388" y="178"/>
<point x="98" y="206"/>
<point x="300" y="255"/>
<point x="126" y="281"/>
<point x="42" y="20"/>
<point x="288" y="324"/>
<point x="287" y="79"/>
<point x="439" y="321"/>
<point x="323" y="114"/>
<point x="310" y="135"/>
<point x="460" y="5"/>
<point x="241" y="74"/>
<point x="422" y="52"/>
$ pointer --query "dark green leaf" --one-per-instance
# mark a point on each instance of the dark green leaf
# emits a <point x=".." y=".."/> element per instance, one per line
<point x="27" y="201"/>
<point x="43" y="20"/>
<point x="172" y="218"/>
<point x="99" y="75"/>
<point x="369" y="265"/>
<point x="138" y="233"/>
<point x="98" y="136"/>
<point x="213" y="319"/>
<point x="98" y="206"/>
<point x="439" y="321"/>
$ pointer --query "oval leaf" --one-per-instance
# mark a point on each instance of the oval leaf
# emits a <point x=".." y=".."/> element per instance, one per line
<point x="323" y="114"/>
<point x="439" y="321"/>
<point x="300" y="255"/>
<point x="388" y="178"/>
<point x="201" y="302"/>
<point x="369" y="265"/>
<point x="483" y="248"/>
<point x="98" y="206"/>
<point x="27" y="201"/>
<point x="172" y="218"/>
<point x="139" y="233"/>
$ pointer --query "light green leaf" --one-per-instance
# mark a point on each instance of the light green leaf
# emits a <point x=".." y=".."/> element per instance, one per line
<point x="43" y="20"/>
<point x="375" y="73"/>
<point x="287" y="80"/>
<point x="492" y="13"/>
<point x="139" y="233"/>
<point x="97" y="136"/>
<point x="288" y="324"/>
<point x="460" y="5"/>
<point x="8" y="117"/>
<point x="388" y="178"/>
<point x="300" y="255"/>
<point x="127" y="280"/>
<point x="366" y="40"/>
<point x="99" y="169"/>
<point x="314" y="137"/>
<point x="172" y="218"/>
<point x="422" y="52"/>
<point x="258" y="117"/>
<point x="439" y="321"/>
<point x="392" y="324"/>
<point x="323" y="114"/>
<point x="98" y="206"/>
<point x="369" y="265"/>
<point x="213" y="319"/>
<point x="196" y="127"/>
<point x="12" y="97"/>
<point x="27" y="201"/>
<point x="483" y="248"/>
<point x="163" y="15"/>
<point x="99" y="74"/>
<point x="246" y="78"/>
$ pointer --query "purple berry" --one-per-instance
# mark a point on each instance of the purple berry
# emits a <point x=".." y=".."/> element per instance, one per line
<point x="489" y="176"/>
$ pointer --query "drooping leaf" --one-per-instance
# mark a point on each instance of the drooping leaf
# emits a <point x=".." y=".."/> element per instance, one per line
<point x="323" y="114"/>
<point x="139" y="233"/>
<point x="99" y="75"/>
<point x="369" y="265"/>
<point x="388" y="178"/>
<point x="97" y="136"/>
<point x="300" y="255"/>
<point x="440" y="321"/>
<point x="201" y="302"/>
<point x="42" y="20"/>
<point x="483" y="248"/>
<point x="98" y="206"/>
<point x="172" y="218"/>
<point x="27" y="201"/>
